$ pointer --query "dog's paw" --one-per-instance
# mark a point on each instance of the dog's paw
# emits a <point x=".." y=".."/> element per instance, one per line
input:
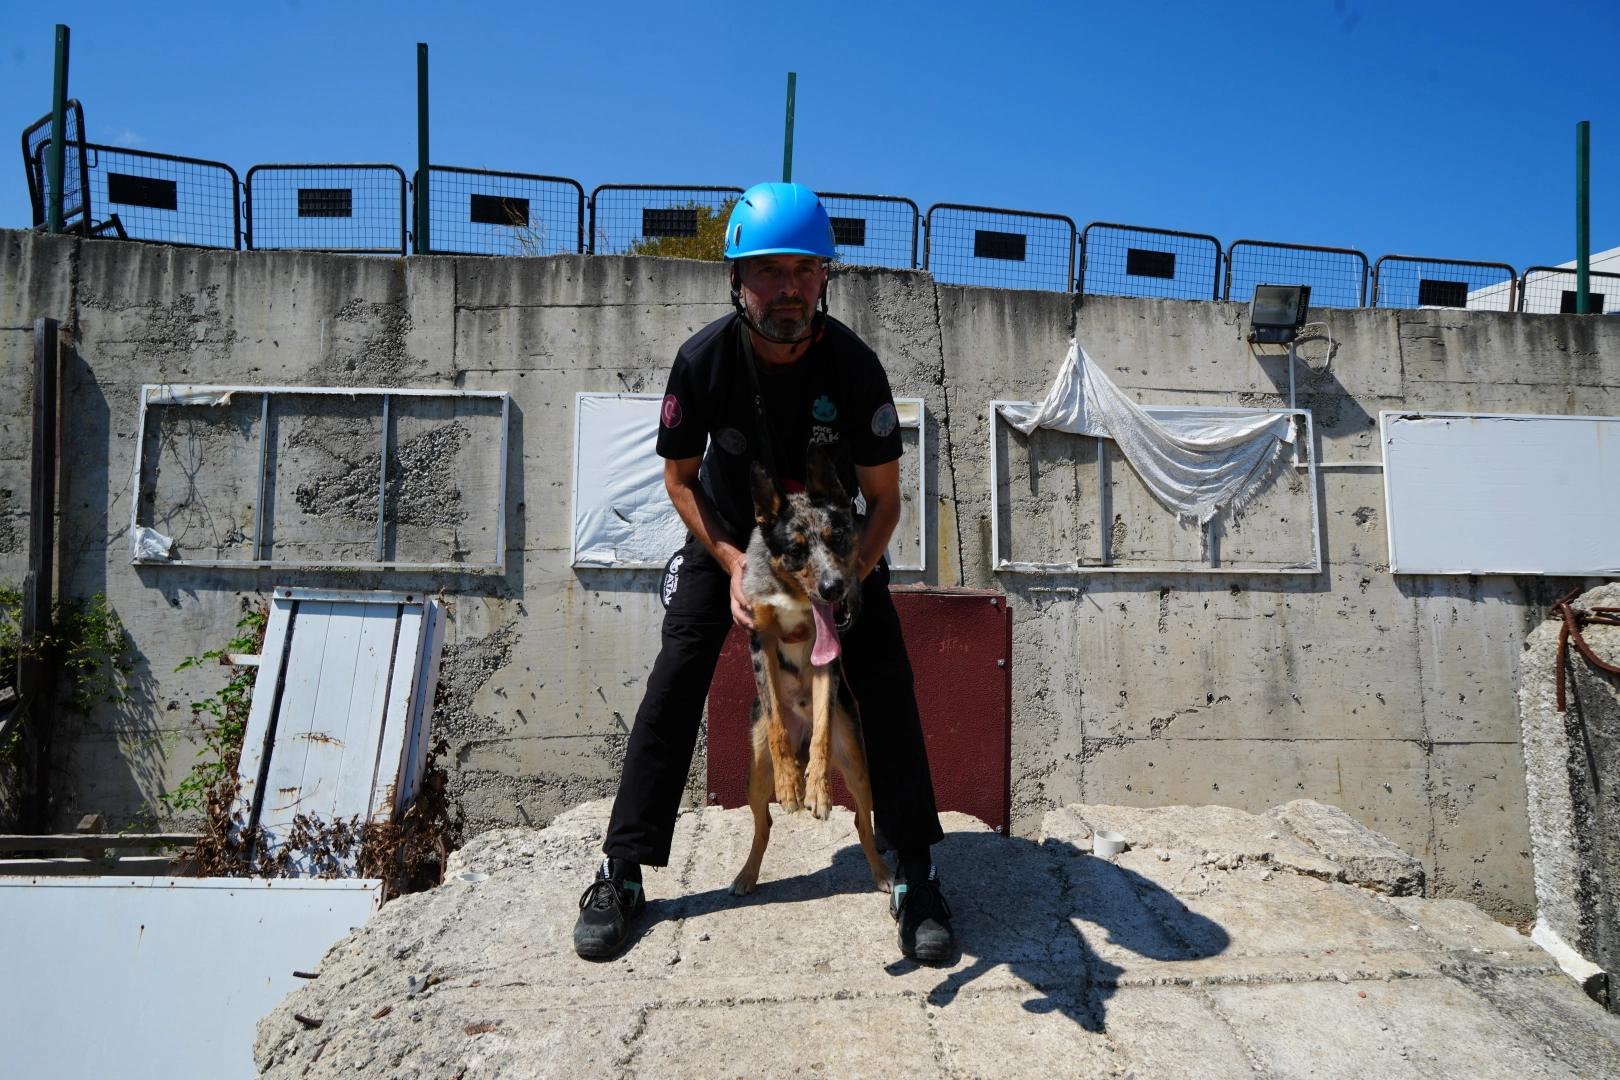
<point x="819" y="799"/>
<point x="744" y="884"/>
<point x="885" y="880"/>
<point x="789" y="793"/>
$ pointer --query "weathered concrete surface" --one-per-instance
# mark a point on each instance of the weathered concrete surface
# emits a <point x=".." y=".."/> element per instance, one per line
<point x="1161" y="962"/>
<point x="1393" y="699"/>
<point x="1572" y="772"/>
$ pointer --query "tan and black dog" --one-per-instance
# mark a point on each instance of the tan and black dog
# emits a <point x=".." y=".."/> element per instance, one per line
<point x="802" y="569"/>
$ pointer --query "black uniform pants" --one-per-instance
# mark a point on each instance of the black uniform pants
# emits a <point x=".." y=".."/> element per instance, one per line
<point x="697" y="617"/>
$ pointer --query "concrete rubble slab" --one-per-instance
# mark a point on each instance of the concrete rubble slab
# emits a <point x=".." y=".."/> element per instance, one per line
<point x="1286" y="961"/>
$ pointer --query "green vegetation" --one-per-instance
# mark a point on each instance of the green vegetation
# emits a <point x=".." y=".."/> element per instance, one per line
<point x="709" y="244"/>
<point x="222" y="719"/>
<point x="86" y="640"/>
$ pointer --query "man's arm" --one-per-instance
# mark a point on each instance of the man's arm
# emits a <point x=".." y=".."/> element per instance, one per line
<point x="697" y="511"/>
<point x="880" y="484"/>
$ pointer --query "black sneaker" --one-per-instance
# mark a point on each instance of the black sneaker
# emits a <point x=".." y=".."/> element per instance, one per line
<point x="605" y="911"/>
<point x="924" y="918"/>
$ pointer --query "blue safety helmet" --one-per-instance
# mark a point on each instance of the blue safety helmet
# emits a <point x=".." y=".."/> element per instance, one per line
<point x="779" y="219"/>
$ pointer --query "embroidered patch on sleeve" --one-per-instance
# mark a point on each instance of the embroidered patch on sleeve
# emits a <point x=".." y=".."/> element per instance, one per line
<point x="884" y="421"/>
<point x="672" y="411"/>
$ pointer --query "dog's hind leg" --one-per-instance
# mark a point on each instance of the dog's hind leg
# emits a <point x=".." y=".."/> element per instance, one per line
<point x="760" y="783"/>
<point x="849" y="756"/>
<point x="817" y="795"/>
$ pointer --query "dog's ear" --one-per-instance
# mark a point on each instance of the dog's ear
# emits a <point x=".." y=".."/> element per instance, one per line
<point x="824" y="485"/>
<point x="768" y="496"/>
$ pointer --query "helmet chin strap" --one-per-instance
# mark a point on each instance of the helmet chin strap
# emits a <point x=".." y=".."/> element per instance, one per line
<point x="817" y="319"/>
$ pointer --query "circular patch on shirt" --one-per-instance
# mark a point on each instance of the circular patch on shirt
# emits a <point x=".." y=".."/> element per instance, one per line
<point x="672" y="411"/>
<point x="884" y="421"/>
<point x="733" y="440"/>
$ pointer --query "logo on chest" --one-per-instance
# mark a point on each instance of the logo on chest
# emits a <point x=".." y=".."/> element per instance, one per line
<point x="821" y="435"/>
<point x="824" y="410"/>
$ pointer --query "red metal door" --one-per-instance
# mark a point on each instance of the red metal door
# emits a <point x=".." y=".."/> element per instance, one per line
<point x="960" y="643"/>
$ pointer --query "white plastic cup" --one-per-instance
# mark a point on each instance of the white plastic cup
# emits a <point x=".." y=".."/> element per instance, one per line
<point x="1104" y="843"/>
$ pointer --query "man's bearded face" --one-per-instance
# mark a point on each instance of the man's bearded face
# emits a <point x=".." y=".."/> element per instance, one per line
<point x="779" y="292"/>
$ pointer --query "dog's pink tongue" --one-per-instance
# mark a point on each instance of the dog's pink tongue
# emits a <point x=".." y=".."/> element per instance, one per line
<point x="826" y="650"/>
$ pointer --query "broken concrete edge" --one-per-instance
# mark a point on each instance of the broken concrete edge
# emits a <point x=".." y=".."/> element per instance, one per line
<point x="1565" y="905"/>
<point x="1302" y="836"/>
<point x="1587" y="975"/>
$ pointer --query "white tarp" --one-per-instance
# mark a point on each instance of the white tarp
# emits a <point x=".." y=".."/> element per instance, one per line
<point x="1501" y="494"/>
<point x="622" y="514"/>
<point x="160" y="978"/>
<point x="1195" y="461"/>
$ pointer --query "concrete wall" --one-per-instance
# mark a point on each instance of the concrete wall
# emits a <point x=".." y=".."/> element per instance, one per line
<point x="1392" y="698"/>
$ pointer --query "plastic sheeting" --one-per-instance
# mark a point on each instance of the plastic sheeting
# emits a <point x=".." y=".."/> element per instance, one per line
<point x="622" y="514"/>
<point x="188" y="395"/>
<point x="145" y="543"/>
<point x="1195" y="461"/>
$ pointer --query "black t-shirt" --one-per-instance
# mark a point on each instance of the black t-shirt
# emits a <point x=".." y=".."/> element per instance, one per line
<point x="836" y="395"/>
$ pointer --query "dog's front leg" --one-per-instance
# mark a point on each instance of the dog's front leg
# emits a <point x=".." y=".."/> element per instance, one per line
<point x="784" y="759"/>
<point x="818" y="796"/>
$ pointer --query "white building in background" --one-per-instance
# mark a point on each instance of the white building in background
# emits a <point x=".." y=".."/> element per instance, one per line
<point x="1544" y="290"/>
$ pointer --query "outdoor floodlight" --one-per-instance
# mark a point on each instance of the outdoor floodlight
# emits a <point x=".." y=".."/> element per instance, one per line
<point x="1277" y="313"/>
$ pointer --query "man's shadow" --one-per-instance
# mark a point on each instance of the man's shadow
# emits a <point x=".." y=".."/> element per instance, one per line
<point x="1014" y="903"/>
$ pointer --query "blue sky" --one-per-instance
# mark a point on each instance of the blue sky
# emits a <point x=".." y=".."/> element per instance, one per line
<point x="1429" y="129"/>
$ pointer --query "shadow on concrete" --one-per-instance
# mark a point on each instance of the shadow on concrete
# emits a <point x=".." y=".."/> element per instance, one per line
<point x="1013" y="904"/>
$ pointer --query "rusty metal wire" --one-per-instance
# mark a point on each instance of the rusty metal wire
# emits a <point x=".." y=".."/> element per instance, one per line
<point x="1574" y="619"/>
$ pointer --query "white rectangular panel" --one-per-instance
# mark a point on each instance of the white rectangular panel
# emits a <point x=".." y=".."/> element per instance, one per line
<point x="1476" y="493"/>
<point x="622" y="514"/>
<point x="159" y="978"/>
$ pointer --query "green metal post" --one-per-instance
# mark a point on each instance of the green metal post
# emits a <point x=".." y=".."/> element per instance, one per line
<point x="1583" y="217"/>
<point x="58" y="153"/>
<point x="423" y="245"/>
<point x="787" y="138"/>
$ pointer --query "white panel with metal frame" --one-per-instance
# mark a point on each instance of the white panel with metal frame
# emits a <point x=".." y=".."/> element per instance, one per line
<point x="1008" y="566"/>
<point x="192" y="396"/>
<point x="1501" y="493"/>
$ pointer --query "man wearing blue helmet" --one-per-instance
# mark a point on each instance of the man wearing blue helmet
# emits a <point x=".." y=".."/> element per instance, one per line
<point x="765" y="384"/>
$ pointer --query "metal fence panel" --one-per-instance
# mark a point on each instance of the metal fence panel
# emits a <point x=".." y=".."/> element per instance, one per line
<point x="647" y="219"/>
<point x="34" y="138"/>
<point x="486" y="212"/>
<point x="1006" y="249"/>
<point x="1405" y="281"/>
<point x="1550" y="290"/>
<point x="340" y="207"/>
<point x="141" y="195"/>
<point x="1133" y="260"/>
<point x="873" y="230"/>
<point x="1337" y="276"/>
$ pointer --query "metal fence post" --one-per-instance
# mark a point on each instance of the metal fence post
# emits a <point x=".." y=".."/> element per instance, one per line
<point x="787" y="136"/>
<point x="423" y="211"/>
<point x="1583" y="217"/>
<point x="58" y="149"/>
